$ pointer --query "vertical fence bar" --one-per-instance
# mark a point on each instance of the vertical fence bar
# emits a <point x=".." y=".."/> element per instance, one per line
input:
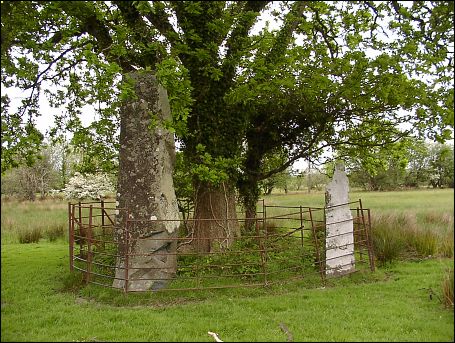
<point x="103" y="230"/>
<point x="102" y="213"/>
<point x="316" y="243"/>
<point x="258" y="232"/>
<point x="71" y="236"/>
<point x="370" y="247"/>
<point x="73" y="225"/>
<point x="127" y="249"/>
<point x="89" y="245"/>
<point x="324" y="242"/>
<point x="301" y="238"/>
<point x="198" y="279"/>
<point x="81" y="230"/>
<point x="365" y="230"/>
<point x="370" y="242"/>
<point x="264" y="249"/>
<point x="359" y="234"/>
<point x="301" y="225"/>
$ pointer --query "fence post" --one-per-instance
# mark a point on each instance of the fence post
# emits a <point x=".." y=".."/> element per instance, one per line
<point x="71" y="236"/>
<point x="370" y="242"/>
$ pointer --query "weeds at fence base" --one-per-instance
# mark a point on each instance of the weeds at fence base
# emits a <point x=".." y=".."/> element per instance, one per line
<point x="72" y="282"/>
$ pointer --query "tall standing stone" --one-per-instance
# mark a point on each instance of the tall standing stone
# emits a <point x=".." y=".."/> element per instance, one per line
<point x="145" y="189"/>
<point x="339" y="225"/>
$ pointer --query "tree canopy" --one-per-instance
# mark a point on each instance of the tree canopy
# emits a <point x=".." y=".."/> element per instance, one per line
<point x="319" y="75"/>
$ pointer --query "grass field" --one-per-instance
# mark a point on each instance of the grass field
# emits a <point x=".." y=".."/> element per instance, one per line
<point x="401" y="301"/>
<point x="420" y="201"/>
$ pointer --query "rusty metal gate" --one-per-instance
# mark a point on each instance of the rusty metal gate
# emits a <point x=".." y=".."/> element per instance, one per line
<point x="287" y="243"/>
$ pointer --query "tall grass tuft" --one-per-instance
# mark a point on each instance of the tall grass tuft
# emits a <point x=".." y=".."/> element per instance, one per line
<point x="447" y="288"/>
<point x="441" y="226"/>
<point x="55" y="232"/>
<point x="32" y="235"/>
<point x="425" y="242"/>
<point x="389" y="237"/>
<point x="446" y="244"/>
<point x="401" y="235"/>
<point x="387" y="244"/>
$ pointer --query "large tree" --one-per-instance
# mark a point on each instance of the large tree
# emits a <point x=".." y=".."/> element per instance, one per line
<point x="236" y="95"/>
<point x="346" y="85"/>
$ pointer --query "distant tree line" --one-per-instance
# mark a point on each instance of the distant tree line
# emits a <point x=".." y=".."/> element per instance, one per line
<point x="406" y="164"/>
<point x="50" y="173"/>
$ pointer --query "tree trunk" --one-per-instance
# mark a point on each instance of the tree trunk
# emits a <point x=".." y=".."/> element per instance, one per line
<point x="145" y="190"/>
<point x="249" y="184"/>
<point x="216" y="224"/>
<point x="249" y="192"/>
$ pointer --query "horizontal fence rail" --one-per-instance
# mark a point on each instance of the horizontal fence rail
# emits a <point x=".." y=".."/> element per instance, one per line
<point x="286" y="243"/>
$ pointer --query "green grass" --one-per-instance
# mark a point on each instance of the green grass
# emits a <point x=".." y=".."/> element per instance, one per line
<point x="20" y="218"/>
<point x="402" y="301"/>
<point x="397" y="307"/>
<point x="421" y="201"/>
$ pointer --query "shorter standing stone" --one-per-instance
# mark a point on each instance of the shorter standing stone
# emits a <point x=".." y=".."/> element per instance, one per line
<point x="339" y="241"/>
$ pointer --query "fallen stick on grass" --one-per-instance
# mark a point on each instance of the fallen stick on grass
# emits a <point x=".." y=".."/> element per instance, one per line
<point x="285" y="329"/>
<point x="215" y="336"/>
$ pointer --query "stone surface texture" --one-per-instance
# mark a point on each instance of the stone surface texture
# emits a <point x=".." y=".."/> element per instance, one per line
<point x="145" y="193"/>
<point x="339" y="226"/>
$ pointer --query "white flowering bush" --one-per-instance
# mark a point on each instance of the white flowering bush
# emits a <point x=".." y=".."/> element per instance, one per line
<point x="90" y="186"/>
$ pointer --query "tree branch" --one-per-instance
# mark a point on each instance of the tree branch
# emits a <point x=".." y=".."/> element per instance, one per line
<point x="324" y="31"/>
<point x="136" y="23"/>
<point x="302" y="153"/>
<point x="59" y="57"/>
<point x="236" y="41"/>
<point x="285" y="35"/>
<point x="397" y="7"/>
<point x="159" y="19"/>
<point x="89" y="23"/>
